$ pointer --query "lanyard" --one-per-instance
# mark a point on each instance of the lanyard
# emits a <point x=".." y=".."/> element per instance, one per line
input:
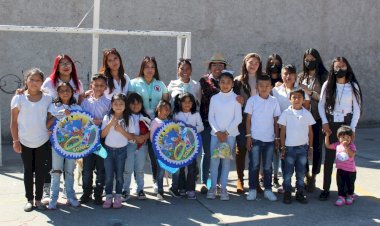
<point x="341" y="95"/>
<point x="149" y="88"/>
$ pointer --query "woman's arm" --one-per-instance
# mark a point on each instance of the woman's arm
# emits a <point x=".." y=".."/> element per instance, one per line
<point x="249" y="141"/>
<point x="355" y="111"/>
<point x="282" y="139"/>
<point x="50" y="120"/>
<point x="14" y="130"/>
<point x="106" y="129"/>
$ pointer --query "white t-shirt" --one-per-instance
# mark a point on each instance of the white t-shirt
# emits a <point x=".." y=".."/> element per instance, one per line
<point x="58" y="109"/>
<point x="297" y="124"/>
<point x="283" y="96"/>
<point x="191" y="119"/>
<point x="176" y="87"/>
<point x="31" y="120"/>
<point x="262" y="113"/>
<point x="224" y="113"/>
<point x="117" y="88"/>
<point x="115" y="139"/>
<point x="51" y="90"/>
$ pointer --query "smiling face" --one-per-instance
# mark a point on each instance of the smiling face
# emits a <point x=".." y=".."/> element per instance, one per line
<point x="65" y="67"/>
<point x="184" y="72"/>
<point x="65" y="93"/>
<point x="149" y="70"/>
<point x="163" y="112"/>
<point x="34" y="82"/>
<point x="118" y="106"/>
<point x="135" y="107"/>
<point x="98" y="86"/>
<point x="186" y="104"/>
<point x="345" y="138"/>
<point x="216" y="68"/>
<point x="288" y="77"/>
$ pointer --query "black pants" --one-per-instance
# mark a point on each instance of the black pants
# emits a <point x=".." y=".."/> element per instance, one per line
<point x="188" y="181"/>
<point x="330" y="154"/>
<point x="153" y="161"/>
<point x="317" y="148"/>
<point x="346" y="182"/>
<point x="35" y="162"/>
<point x="91" y="163"/>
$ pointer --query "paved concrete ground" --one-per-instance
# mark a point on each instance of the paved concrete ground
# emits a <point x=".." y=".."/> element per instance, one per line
<point x="237" y="211"/>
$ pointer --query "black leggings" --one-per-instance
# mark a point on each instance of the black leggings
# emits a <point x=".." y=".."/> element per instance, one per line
<point x="346" y="182"/>
<point x="36" y="161"/>
<point x="317" y="148"/>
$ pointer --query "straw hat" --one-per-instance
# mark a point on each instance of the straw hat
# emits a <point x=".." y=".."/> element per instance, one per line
<point x="216" y="58"/>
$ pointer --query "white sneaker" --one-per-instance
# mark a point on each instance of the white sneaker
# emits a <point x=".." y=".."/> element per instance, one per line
<point x="73" y="202"/>
<point x="211" y="194"/>
<point x="155" y="188"/>
<point x="269" y="195"/>
<point x="224" y="195"/>
<point x="251" y="195"/>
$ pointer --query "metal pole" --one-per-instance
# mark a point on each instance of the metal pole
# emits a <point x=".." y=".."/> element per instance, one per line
<point x="95" y="37"/>
<point x="1" y="144"/>
<point x="187" y="50"/>
<point x="179" y="47"/>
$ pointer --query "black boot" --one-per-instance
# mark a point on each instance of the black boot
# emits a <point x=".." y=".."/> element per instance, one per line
<point x="300" y="197"/>
<point x="287" y="197"/>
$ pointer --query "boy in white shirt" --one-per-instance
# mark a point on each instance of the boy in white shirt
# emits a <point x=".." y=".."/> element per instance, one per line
<point x="262" y="135"/>
<point x="296" y="143"/>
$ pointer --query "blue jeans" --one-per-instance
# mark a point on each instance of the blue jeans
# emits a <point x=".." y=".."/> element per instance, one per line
<point x="276" y="161"/>
<point x="295" y="158"/>
<point x="206" y="156"/>
<point x="60" y="165"/>
<point x="215" y="163"/>
<point x="135" y="163"/>
<point x="91" y="163"/>
<point x="261" y="150"/>
<point x="114" y="167"/>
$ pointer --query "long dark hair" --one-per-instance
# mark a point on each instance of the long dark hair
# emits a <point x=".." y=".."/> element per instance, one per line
<point x="330" y="91"/>
<point x="105" y="69"/>
<point x="244" y="71"/>
<point x="273" y="57"/>
<point x="321" y="72"/>
<point x="135" y="97"/>
<point x="121" y="96"/>
<point x="144" y="62"/>
<point x="58" y="100"/>
<point x="181" y="98"/>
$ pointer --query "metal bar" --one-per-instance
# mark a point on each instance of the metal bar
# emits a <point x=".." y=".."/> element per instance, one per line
<point x="74" y="30"/>
<point x="187" y="49"/>
<point x="95" y="38"/>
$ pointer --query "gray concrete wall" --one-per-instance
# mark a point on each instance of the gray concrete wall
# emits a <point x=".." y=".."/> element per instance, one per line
<point x="335" y="27"/>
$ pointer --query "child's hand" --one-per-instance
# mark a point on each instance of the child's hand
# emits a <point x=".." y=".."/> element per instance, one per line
<point x="97" y="121"/>
<point x="240" y="99"/>
<point x="283" y="153"/>
<point x="67" y="112"/>
<point x="345" y="143"/>
<point x="222" y="137"/>
<point x="119" y="128"/>
<point x="326" y="129"/>
<point x="114" y="122"/>
<point x="140" y="139"/>
<point x="249" y="143"/>
<point x="88" y="93"/>
<point x="17" y="147"/>
<point x="277" y="144"/>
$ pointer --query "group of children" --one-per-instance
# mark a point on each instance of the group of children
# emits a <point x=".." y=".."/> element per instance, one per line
<point x="126" y="131"/>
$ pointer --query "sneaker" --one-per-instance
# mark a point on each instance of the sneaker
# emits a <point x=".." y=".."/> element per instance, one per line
<point x="340" y="201"/>
<point x="191" y="195"/>
<point x="224" y="195"/>
<point x="73" y="202"/>
<point x="28" y="206"/>
<point x="324" y="195"/>
<point x="117" y="202"/>
<point x="108" y="203"/>
<point x="287" y="197"/>
<point x="211" y="194"/>
<point x="155" y="188"/>
<point x="40" y="205"/>
<point x="125" y="196"/>
<point x="141" y="195"/>
<point x="98" y="200"/>
<point x="301" y="198"/>
<point x="182" y="192"/>
<point x="46" y="194"/>
<point x="85" y="199"/>
<point x="350" y="199"/>
<point x="174" y="193"/>
<point x="204" y="189"/>
<point x="269" y="195"/>
<point x="251" y="194"/>
<point x="160" y="195"/>
<point x="52" y="205"/>
<point x="310" y="184"/>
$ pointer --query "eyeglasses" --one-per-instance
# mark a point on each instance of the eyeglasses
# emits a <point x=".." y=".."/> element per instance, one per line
<point x="64" y="91"/>
<point x="219" y="65"/>
<point x="65" y="64"/>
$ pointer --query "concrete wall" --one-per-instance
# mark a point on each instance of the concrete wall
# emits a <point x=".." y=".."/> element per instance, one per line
<point x="335" y="27"/>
